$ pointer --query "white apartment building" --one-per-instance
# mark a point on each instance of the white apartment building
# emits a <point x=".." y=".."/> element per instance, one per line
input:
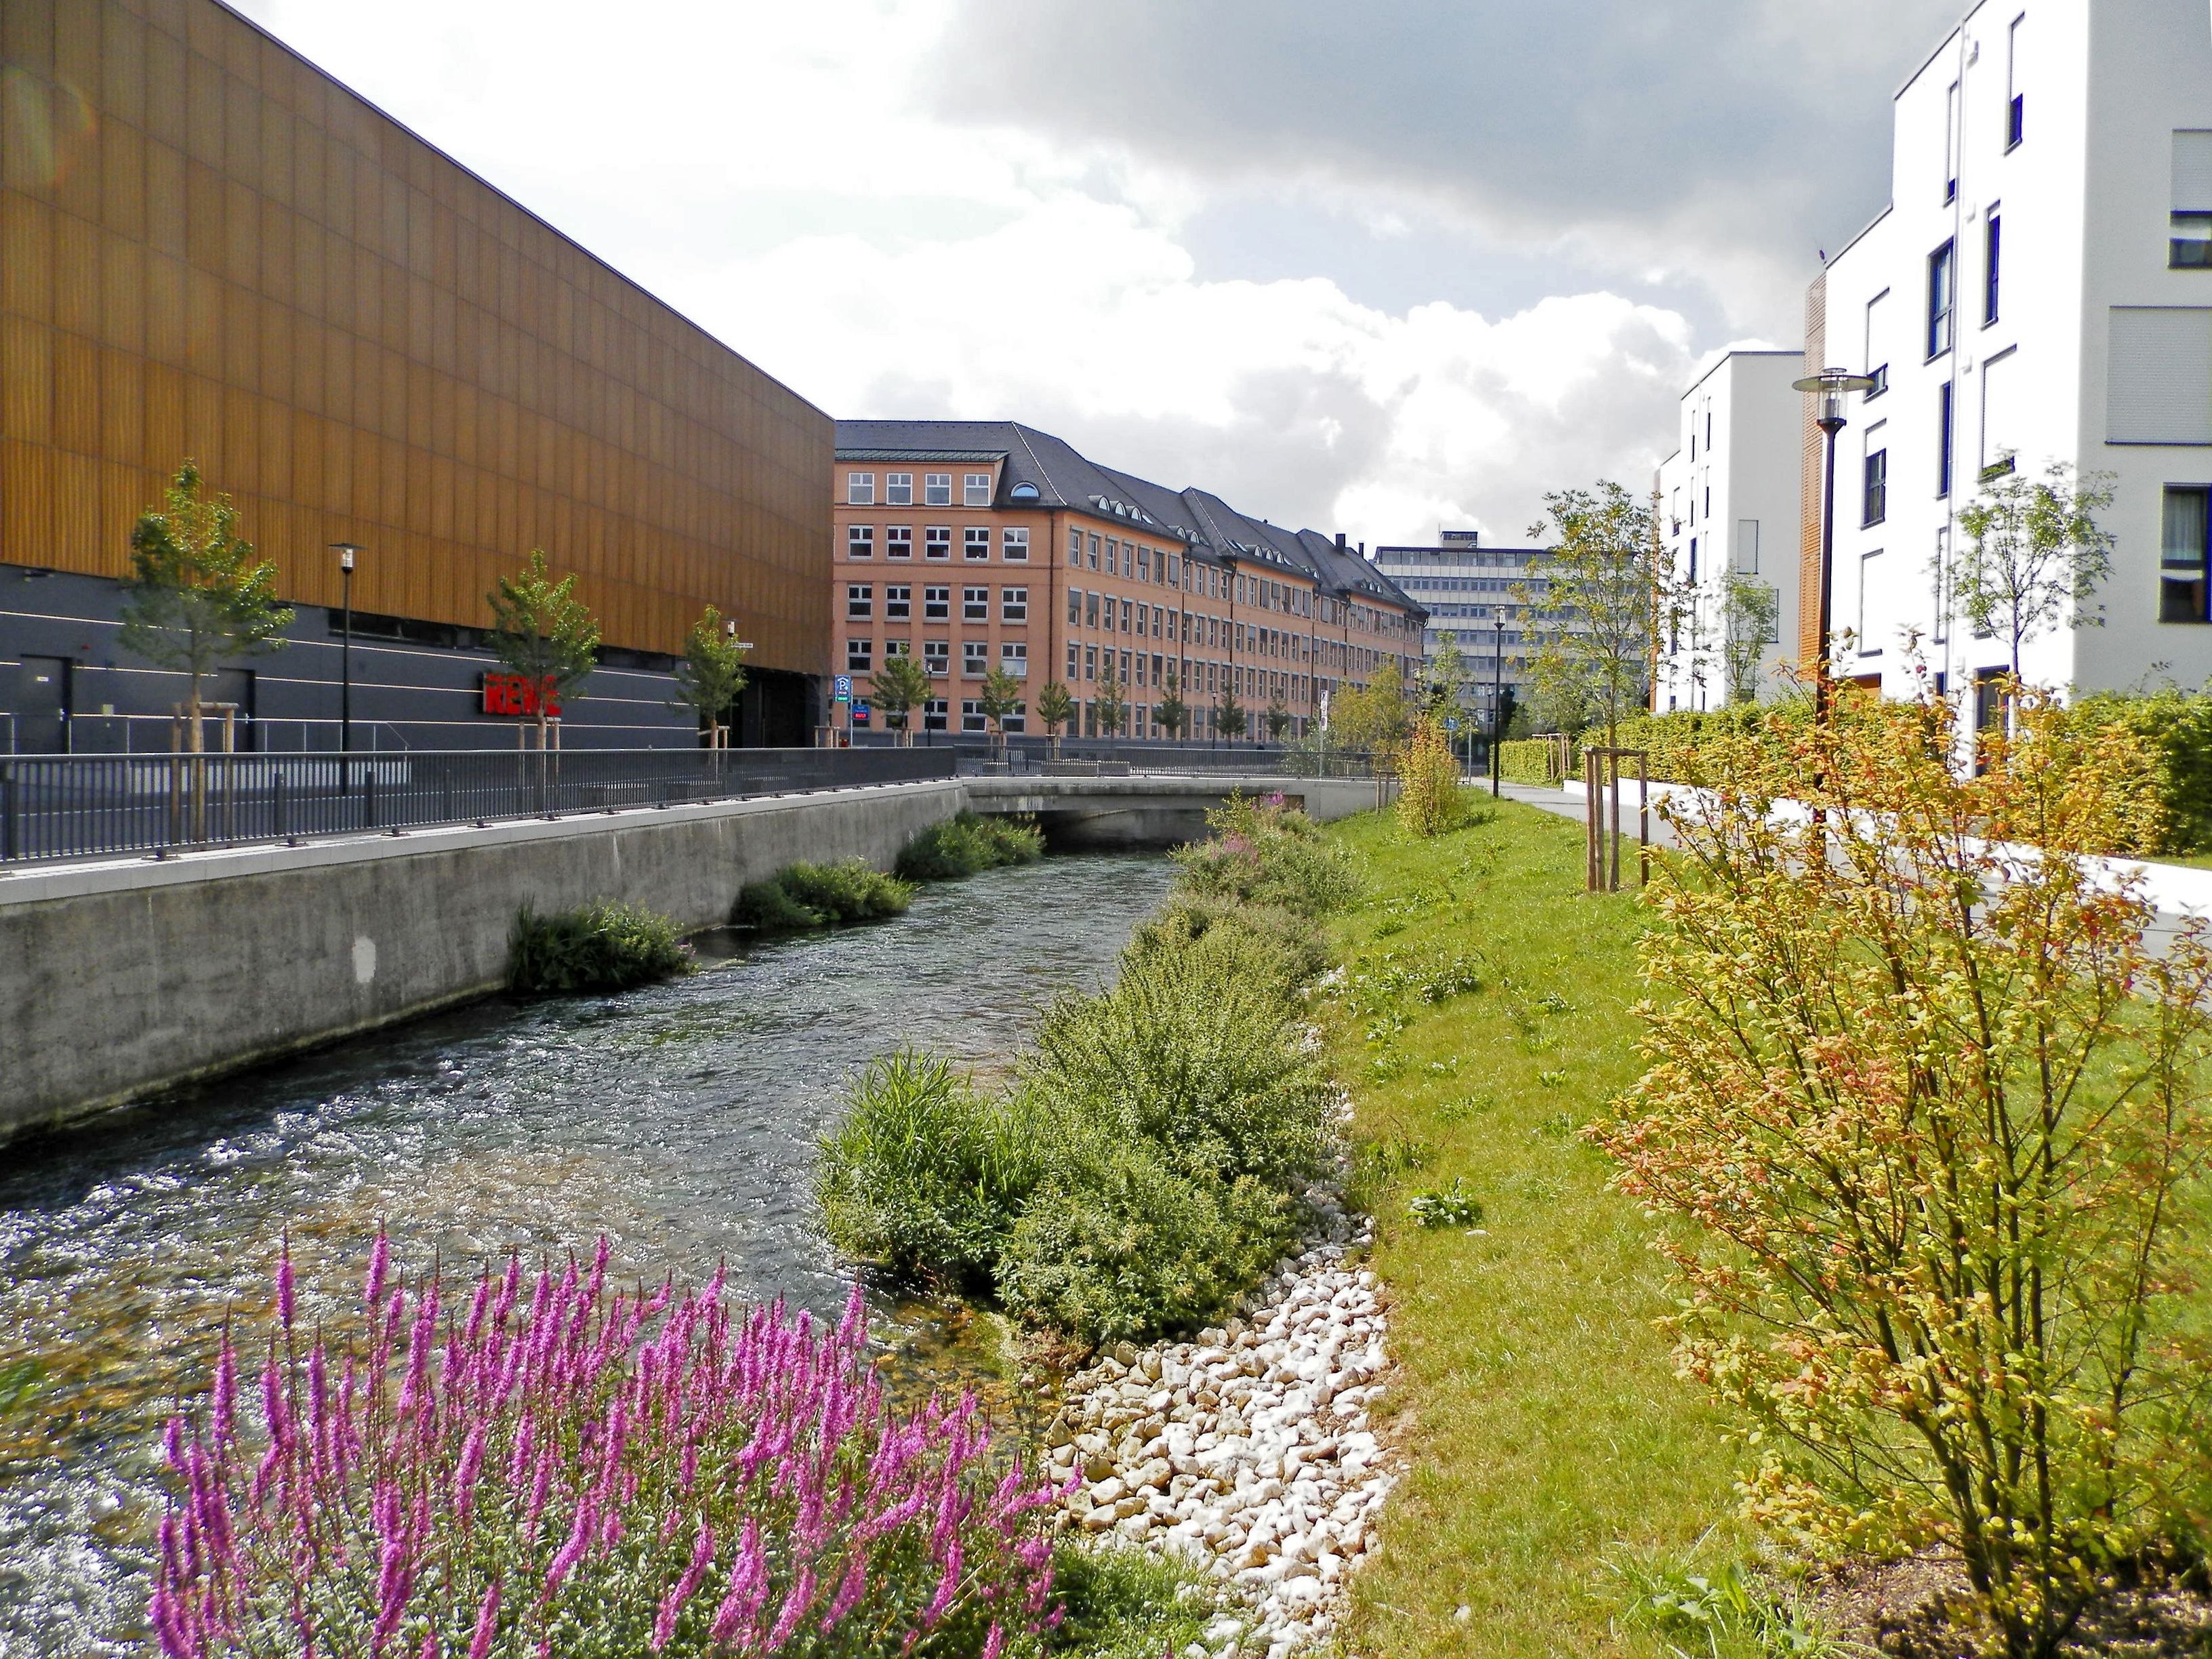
<point x="2040" y="289"/>
<point x="1729" y="508"/>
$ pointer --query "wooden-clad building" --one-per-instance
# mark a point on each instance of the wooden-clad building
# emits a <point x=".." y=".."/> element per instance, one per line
<point x="209" y="248"/>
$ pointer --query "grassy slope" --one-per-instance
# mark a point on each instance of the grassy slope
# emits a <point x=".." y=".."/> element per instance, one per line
<point x="1546" y="1427"/>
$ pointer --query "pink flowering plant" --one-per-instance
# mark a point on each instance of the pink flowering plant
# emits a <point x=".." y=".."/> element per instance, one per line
<point x="549" y="1466"/>
<point x="1264" y="851"/>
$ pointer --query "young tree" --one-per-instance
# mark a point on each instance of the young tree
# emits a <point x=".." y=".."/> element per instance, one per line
<point x="1228" y="719"/>
<point x="1173" y="713"/>
<point x="1753" y="615"/>
<point x="196" y="597"/>
<point x="2037" y="554"/>
<point x="543" y="633"/>
<point x="1609" y="584"/>
<point x="1932" y="1099"/>
<point x="1429" y="801"/>
<point x="1446" y="675"/>
<point x="1376" y="717"/>
<point x="1055" y="707"/>
<point x="1278" y="718"/>
<point x="900" y="685"/>
<point x="1001" y="695"/>
<point x="1113" y="711"/>
<point x="711" y="674"/>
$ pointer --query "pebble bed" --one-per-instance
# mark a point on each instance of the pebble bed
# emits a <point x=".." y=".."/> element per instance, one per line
<point x="1247" y="1451"/>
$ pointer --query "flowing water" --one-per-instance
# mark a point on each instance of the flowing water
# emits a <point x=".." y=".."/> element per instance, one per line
<point x="679" y="1120"/>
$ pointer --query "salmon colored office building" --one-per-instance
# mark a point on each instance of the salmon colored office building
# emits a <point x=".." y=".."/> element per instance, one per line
<point x="972" y="544"/>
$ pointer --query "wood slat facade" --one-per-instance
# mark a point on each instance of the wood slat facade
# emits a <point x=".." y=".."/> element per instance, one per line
<point x="209" y="248"/>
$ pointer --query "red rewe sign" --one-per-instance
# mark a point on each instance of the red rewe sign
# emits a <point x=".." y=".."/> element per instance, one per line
<point x="515" y="695"/>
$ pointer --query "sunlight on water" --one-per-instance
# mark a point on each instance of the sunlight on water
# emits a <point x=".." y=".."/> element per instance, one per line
<point x="679" y="1120"/>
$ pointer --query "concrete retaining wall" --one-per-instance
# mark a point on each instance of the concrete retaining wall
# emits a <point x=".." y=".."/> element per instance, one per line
<point x="121" y="978"/>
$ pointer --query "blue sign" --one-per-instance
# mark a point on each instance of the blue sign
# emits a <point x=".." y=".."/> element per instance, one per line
<point x="842" y="686"/>
<point x="1452" y="722"/>
<point x="860" y="712"/>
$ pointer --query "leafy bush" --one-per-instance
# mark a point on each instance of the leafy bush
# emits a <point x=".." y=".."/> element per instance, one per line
<point x="820" y="895"/>
<point x="1536" y="761"/>
<point x="2178" y="727"/>
<point x="1430" y="800"/>
<point x="967" y="843"/>
<point x="1286" y="948"/>
<point x="1938" y="1100"/>
<point x="924" y="1174"/>
<point x="547" y="1467"/>
<point x="1118" y="1242"/>
<point x="1265" y="853"/>
<point x="599" y="947"/>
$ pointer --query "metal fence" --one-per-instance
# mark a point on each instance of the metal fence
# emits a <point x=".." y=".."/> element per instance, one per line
<point x="1036" y="756"/>
<point x="62" y="806"/>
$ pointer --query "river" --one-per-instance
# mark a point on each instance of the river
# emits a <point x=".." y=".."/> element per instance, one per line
<point x="679" y="1120"/>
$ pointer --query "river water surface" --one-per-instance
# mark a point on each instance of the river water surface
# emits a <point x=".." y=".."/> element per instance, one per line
<point x="679" y="1120"/>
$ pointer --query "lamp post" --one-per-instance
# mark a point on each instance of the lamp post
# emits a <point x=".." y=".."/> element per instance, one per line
<point x="346" y="552"/>
<point x="1497" y="703"/>
<point x="1831" y="387"/>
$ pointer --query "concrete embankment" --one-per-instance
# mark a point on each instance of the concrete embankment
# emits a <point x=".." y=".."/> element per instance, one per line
<point x="123" y="977"/>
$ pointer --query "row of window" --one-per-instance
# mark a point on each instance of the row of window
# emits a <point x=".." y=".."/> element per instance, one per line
<point x="935" y="489"/>
<point x="936" y="603"/>
<point x="937" y="541"/>
<point x="937" y="656"/>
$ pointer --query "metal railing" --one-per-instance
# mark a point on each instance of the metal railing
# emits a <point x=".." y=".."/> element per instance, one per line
<point x="1024" y="755"/>
<point x="66" y="807"/>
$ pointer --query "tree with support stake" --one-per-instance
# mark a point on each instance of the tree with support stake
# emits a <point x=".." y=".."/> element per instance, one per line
<point x="1173" y="713"/>
<point x="999" y="697"/>
<point x="2037" y="554"/>
<point x="902" y="683"/>
<point x="1055" y="707"/>
<point x="1228" y="719"/>
<point x="1113" y="710"/>
<point x="542" y="634"/>
<point x="711" y="674"/>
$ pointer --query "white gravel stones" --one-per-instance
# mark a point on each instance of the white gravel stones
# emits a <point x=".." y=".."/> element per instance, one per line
<point x="1248" y="1450"/>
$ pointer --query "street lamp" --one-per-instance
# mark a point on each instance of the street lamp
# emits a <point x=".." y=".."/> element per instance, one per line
<point x="346" y="552"/>
<point x="1496" y="702"/>
<point x="1831" y="387"/>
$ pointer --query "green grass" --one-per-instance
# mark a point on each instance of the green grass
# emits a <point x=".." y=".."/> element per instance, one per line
<point x="1550" y="1439"/>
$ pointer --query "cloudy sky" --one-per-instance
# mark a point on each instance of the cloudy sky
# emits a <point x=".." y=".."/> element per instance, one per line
<point x="1376" y="267"/>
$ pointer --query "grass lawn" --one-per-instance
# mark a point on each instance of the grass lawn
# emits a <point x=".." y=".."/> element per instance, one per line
<point x="1548" y="1431"/>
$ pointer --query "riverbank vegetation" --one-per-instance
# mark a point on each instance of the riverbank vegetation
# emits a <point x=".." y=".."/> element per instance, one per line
<point x="543" y="1464"/>
<point x="967" y="844"/>
<point x="804" y="896"/>
<point x="595" y="948"/>
<point x="1143" y="1163"/>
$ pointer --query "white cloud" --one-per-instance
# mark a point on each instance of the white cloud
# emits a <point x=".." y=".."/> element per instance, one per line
<point x="786" y="176"/>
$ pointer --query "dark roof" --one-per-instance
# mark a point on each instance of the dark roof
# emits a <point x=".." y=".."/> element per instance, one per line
<point x="1211" y="529"/>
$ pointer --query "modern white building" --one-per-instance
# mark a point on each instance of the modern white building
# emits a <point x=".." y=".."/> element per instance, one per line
<point x="1729" y="510"/>
<point x="2040" y="289"/>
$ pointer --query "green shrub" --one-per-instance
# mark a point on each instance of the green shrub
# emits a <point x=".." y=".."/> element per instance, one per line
<point x="1536" y="761"/>
<point x="925" y="1173"/>
<point x="2178" y="726"/>
<point x="966" y="843"/>
<point x="820" y="896"/>
<point x="1126" y="1604"/>
<point x="1293" y="948"/>
<point x="768" y="905"/>
<point x="1265" y="853"/>
<point x="598" y="947"/>
<point x="1117" y="1243"/>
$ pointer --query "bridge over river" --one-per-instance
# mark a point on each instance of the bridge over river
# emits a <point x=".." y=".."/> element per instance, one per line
<point x="125" y="975"/>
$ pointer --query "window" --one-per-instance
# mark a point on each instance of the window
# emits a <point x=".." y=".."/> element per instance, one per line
<point x="1869" y="578"/>
<point x="975" y="489"/>
<point x="2190" y="246"/>
<point x="1939" y="298"/>
<point x="975" y="658"/>
<point x="936" y="605"/>
<point x="1124" y="616"/>
<point x="2000" y="413"/>
<point x="1951" y="144"/>
<point x="860" y="489"/>
<point x="860" y="542"/>
<point x="1747" y="546"/>
<point x="975" y="543"/>
<point x="1091" y="610"/>
<point x="1074" y="661"/>
<point x="1941" y="632"/>
<point x="2159" y="389"/>
<point x="1014" y="546"/>
<point x="1094" y="552"/>
<point x="934" y="711"/>
<point x="971" y="716"/>
<point x="1875" y="494"/>
<point x="937" y="541"/>
<point x="1993" y="242"/>
<point x="1074" y="606"/>
<point x="2015" y="99"/>
<point x="1014" y="604"/>
<point x="1877" y="345"/>
<point x="1945" y="400"/>
<point x="936" y="656"/>
<point x="1693" y="561"/>
<point x="2182" y="592"/>
<point x="1113" y="557"/>
<point x="1075" y="549"/>
<point x="1144" y="564"/>
<point x="1014" y="657"/>
<point x="899" y="602"/>
<point x="859" y="601"/>
<point x="859" y="656"/>
<point x="975" y="604"/>
<point x="898" y="542"/>
<point x="1090" y="662"/>
<point x="898" y="489"/>
<point x="937" y="489"/>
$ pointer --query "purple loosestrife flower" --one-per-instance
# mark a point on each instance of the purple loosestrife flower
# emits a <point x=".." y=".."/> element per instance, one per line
<point x="702" y="1557"/>
<point x="287" y="1303"/>
<point x="487" y="1623"/>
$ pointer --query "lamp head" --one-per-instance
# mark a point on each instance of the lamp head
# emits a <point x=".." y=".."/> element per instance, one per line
<point x="345" y="551"/>
<point x="1831" y="387"/>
